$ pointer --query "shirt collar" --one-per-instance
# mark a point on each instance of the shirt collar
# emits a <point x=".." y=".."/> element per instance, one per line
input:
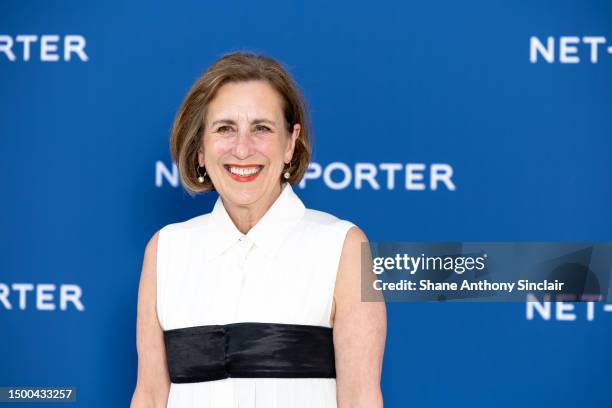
<point x="267" y="234"/>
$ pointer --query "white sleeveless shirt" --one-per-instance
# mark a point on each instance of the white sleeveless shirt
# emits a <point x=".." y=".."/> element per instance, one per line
<point x="282" y="271"/>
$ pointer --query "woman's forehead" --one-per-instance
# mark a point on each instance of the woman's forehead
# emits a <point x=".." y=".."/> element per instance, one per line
<point x="245" y="100"/>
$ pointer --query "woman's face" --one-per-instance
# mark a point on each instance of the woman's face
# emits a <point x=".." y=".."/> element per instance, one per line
<point x="246" y="144"/>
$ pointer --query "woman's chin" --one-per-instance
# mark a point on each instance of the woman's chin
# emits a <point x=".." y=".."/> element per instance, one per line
<point x="243" y="195"/>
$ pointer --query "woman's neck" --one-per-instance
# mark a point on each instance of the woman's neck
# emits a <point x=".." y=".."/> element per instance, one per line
<point x="246" y="216"/>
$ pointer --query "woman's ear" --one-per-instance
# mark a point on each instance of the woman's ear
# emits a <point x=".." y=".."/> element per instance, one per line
<point x="200" y="158"/>
<point x="292" y="140"/>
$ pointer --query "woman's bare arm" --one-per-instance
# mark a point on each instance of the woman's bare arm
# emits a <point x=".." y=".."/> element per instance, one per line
<point x="153" y="381"/>
<point x="359" y="331"/>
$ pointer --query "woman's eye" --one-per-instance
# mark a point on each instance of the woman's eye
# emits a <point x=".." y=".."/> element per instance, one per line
<point x="262" y="128"/>
<point x="224" y="129"/>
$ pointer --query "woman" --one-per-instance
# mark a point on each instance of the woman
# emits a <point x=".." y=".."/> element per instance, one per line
<point x="256" y="304"/>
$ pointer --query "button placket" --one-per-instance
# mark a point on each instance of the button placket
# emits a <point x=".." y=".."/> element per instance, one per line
<point x="245" y="246"/>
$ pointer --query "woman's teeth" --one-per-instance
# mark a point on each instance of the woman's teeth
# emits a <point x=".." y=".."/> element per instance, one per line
<point x="244" y="171"/>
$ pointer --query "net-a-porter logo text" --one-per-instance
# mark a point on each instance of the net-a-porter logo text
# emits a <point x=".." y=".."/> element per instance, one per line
<point x="568" y="49"/>
<point x="587" y="309"/>
<point x="45" y="48"/>
<point x="41" y="296"/>
<point x="340" y="176"/>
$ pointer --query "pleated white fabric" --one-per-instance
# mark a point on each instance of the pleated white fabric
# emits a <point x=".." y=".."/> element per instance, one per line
<point x="282" y="271"/>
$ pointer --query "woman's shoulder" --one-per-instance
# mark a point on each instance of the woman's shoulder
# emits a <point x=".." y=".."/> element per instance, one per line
<point x="339" y="235"/>
<point x="197" y="222"/>
<point x="322" y="219"/>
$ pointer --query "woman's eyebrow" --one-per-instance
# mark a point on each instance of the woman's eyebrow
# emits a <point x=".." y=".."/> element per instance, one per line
<point x="271" y="122"/>
<point x="226" y="121"/>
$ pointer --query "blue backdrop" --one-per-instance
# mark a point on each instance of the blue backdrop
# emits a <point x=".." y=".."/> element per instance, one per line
<point x="511" y="99"/>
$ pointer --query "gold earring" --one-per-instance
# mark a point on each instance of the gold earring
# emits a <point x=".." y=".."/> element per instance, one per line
<point x="200" y="176"/>
<point x="287" y="173"/>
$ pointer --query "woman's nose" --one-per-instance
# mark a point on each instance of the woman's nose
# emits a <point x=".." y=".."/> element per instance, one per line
<point x="243" y="145"/>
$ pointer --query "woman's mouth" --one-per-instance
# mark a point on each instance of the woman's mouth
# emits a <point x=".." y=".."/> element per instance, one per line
<point x="243" y="173"/>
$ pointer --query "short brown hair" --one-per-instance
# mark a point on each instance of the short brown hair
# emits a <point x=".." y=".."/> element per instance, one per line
<point x="190" y="119"/>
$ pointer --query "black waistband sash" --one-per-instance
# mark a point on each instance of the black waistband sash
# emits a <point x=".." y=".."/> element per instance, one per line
<point x="249" y="350"/>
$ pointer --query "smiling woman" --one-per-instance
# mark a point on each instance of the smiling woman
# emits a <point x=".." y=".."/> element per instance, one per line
<point x="216" y="106"/>
<point x="257" y="303"/>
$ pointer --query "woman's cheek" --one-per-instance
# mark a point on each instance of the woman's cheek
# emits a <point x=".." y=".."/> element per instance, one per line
<point x="267" y="146"/>
<point x="222" y="146"/>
